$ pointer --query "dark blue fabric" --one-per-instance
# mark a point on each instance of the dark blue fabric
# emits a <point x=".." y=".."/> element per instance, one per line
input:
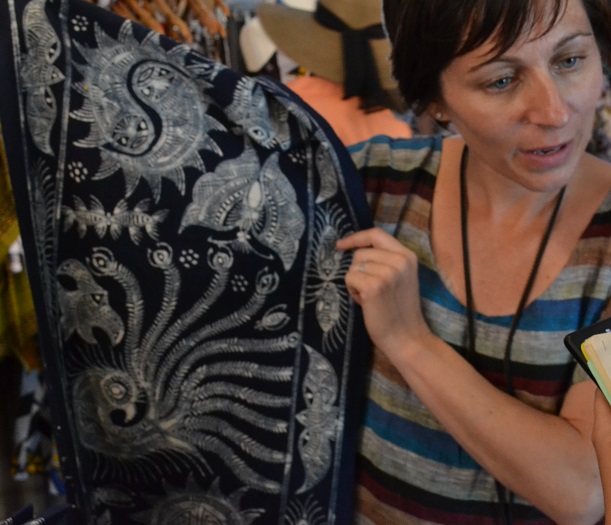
<point x="56" y="515"/>
<point x="20" y="517"/>
<point x="205" y="362"/>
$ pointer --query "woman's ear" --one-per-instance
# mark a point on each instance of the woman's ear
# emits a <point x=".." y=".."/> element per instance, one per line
<point x="436" y="112"/>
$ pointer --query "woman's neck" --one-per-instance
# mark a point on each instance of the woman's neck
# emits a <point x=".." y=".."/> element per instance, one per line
<point x="495" y="199"/>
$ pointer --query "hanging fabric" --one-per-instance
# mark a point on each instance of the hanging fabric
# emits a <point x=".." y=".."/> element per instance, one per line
<point x="204" y="359"/>
<point x="33" y="450"/>
<point x="17" y="319"/>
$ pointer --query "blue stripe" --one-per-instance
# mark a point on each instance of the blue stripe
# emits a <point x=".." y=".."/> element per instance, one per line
<point x="433" y="289"/>
<point x="566" y="315"/>
<point x="414" y="143"/>
<point x="542" y="315"/>
<point x="430" y="444"/>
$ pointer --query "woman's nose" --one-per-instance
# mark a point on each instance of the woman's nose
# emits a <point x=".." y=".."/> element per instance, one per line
<point x="546" y="104"/>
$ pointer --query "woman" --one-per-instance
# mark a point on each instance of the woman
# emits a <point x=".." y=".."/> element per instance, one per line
<point x="492" y="245"/>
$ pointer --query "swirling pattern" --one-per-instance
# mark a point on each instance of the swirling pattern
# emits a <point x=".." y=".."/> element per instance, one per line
<point x="146" y="117"/>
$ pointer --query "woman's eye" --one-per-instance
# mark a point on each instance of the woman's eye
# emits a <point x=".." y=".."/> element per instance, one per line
<point x="568" y="63"/>
<point x="500" y="84"/>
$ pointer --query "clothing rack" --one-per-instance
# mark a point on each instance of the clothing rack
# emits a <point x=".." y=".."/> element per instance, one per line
<point x="210" y="26"/>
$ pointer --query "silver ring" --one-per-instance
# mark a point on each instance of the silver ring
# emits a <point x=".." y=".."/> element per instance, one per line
<point x="362" y="266"/>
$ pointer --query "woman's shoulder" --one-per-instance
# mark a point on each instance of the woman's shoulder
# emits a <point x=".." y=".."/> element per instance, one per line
<point x="587" y="213"/>
<point x="400" y="154"/>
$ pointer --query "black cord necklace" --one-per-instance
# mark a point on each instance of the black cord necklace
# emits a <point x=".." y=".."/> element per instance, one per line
<point x="505" y="500"/>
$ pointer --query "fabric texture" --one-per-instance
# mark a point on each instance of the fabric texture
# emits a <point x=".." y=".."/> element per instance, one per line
<point x="350" y="123"/>
<point x="54" y="516"/>
<point x="20" y="517"/>
<point x="203" y="357"/>
<point x="410" y="469"/>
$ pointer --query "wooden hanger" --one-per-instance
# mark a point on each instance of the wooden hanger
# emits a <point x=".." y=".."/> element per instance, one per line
<point x="122" y="10"/>
<point x="177" y="27"/>
<point x="179" y="7"/>
<point x="148" y="6"/>
<point x="220" y="5"/>
<point x="207" y="18"/>
<point x="146" y="12"/>
<point x="144" y="15"/>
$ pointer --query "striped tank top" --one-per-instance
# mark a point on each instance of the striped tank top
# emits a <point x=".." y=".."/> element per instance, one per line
<point x="410" y="470"/>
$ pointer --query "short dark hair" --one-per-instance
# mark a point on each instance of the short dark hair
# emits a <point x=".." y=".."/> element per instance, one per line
<point x="426" y="35"/>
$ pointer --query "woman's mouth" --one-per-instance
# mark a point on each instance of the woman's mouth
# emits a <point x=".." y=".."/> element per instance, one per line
<point x="547" y="151"/>
<point x="547" y="157"/>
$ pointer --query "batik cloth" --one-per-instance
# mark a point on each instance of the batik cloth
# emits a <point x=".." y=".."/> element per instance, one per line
<point x="411" y="470"/>
<point x="205" y="362"/>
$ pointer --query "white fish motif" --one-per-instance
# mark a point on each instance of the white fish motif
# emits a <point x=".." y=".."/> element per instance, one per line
<point x="327" y="289"/>
<point x="134" y="221"/>
<point x="320" y="390"/>
<point x="274" y="319"/>
<point x="39" y="73"/>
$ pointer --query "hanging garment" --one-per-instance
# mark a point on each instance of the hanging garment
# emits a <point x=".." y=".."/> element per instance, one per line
<point x="17" y="319"/>
<point x="20" y="517"/>
<point x="204" y="360"/>
<point x="56" y="515"/>
<point x="34" y="452"/>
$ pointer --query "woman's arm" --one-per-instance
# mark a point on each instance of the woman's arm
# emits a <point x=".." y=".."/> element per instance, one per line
<point x="601" y="437"/>
<point x="547" y="459"/>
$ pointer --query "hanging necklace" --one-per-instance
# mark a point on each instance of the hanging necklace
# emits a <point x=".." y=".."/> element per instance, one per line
<point x="506" y="502"/>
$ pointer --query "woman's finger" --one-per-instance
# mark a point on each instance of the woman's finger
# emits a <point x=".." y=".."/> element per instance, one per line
<point x="374" y="237"/>
<point x="361" y="266"/>
<point x="366" y="257"/>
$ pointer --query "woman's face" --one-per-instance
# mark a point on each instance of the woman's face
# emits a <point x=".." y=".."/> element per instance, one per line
<point x="528" y="114"/>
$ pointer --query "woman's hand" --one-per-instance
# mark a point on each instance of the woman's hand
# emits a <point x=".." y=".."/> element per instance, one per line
<point x="383" y="280"/>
